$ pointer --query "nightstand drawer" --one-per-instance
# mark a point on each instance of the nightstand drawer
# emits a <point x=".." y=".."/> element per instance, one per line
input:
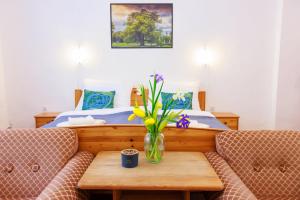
<point x="42" y="121"/>
<point x="231" y="120"/>
<point x="231" y="123"/>
<point x="44" y="118"/>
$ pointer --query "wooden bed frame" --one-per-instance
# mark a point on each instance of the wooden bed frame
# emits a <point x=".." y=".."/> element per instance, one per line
<point x="117" y="137"/>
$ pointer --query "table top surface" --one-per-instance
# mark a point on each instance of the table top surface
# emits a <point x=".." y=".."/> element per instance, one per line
<point x="185" y="171"/>
<point x="47" y="114"/>
<point x="225" y="115"/>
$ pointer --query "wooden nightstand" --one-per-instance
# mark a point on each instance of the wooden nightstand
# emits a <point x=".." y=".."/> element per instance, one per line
<point x="44" y="118"/>
<point x="229" y="119"/>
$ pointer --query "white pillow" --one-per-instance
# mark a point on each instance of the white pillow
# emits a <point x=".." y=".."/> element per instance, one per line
<point x="173" y="87"/>
<point x="122" y="96"/>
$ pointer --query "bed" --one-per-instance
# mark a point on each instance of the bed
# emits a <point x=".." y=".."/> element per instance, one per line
<point x="117" y="133"/>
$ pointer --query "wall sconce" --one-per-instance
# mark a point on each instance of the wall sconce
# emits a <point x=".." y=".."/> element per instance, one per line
<point x="80" y="55"/>
<point x="203" y="56"/>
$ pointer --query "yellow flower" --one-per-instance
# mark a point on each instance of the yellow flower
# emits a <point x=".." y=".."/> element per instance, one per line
<point x="149" y="122"/>
<point x="159" y="105"/>
<point x="131" y="117"/>
<point x="139" y="112"/>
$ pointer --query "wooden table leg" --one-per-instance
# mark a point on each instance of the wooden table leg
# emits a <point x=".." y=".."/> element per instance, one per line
<point x="186" y="195"/>
<point x="116" y="195"/>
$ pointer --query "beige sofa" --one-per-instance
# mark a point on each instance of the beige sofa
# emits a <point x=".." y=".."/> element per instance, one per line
<point x="257" y="165"/>
<point x="41" y="164"/>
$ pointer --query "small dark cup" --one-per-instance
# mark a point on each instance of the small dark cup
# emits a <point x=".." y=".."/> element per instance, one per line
<point x="130" y="158"/>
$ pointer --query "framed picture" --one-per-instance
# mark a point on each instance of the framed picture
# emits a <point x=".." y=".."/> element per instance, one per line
<point x="141" y="25"/>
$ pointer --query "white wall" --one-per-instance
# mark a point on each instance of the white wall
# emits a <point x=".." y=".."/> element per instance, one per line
<point x="243" y="33"/>
<point x="3" y="105"/>
<point x="288" y="103"/>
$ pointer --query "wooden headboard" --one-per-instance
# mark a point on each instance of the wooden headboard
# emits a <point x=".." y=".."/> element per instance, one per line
<point x="78" y="93"/>
<point x="134" y="97"/>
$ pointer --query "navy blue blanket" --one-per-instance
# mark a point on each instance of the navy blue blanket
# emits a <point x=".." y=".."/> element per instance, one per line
<point x="121" y="118"/>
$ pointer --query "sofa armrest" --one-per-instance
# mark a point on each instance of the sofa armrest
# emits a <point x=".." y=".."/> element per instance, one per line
<point x="234" y="188"/>
<point x="64" y="184"/>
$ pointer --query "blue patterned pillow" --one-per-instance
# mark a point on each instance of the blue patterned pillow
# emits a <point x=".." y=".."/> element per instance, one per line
<point x="178" y="104"/>
<point x="98" y="100"/>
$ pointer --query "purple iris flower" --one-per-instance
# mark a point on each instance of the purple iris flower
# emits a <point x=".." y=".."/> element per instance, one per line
<point x="158" y="77"/>
<point x="183" y="122"/>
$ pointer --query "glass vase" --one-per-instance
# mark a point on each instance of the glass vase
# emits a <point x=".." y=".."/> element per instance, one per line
<point x="154" y="147"/>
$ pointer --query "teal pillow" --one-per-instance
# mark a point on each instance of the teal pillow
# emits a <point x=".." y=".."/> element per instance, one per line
<point x="98" y="100"/>
<point x="178" y="104"/>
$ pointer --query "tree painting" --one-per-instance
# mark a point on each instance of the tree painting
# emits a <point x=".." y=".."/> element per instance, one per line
<point x="141" y="25"/>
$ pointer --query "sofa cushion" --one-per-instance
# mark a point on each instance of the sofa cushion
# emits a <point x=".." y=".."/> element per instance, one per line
<point x="234" y="188"/>
<point x="268" y="162"/>
<point x="64" y="184"/>
<point x="30" y="158"/>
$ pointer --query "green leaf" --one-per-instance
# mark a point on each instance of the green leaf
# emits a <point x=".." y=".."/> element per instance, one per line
<point x="162" y="125"/>
<point x="144" y="100"/>
<point x="159" y="92"/>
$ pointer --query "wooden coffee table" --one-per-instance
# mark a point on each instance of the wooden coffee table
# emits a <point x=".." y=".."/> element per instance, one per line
<point x="178" y="171"/>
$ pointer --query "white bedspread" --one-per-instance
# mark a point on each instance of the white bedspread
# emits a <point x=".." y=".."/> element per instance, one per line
<point x="124" y="109"/>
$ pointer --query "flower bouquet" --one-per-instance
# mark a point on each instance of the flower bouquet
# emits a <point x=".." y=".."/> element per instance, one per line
<point x="155" y="122"/>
